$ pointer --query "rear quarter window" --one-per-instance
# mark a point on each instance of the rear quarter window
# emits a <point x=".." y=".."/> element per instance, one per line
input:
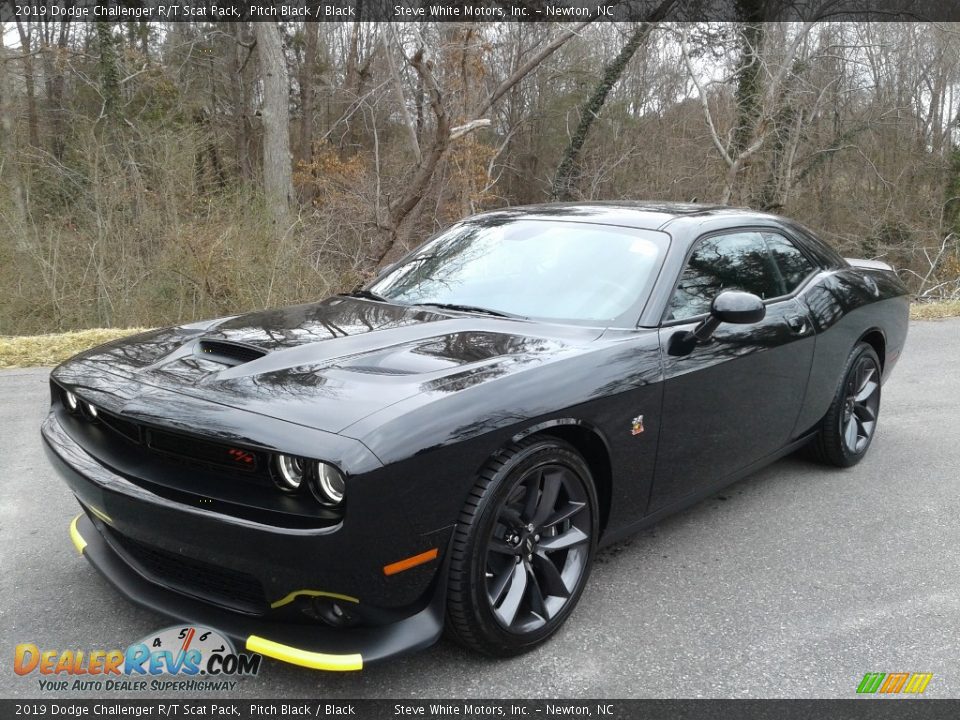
<point x="824" y="254"/>
<point x="793" y="265"/>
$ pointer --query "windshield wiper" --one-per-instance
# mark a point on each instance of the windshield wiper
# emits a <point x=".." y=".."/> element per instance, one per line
<point x="468" y="308"/>
<point x="365" y="294"/>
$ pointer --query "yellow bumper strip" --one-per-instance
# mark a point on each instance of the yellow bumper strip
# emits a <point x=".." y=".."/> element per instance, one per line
<point x="100" y="514"/>
<point x="287" y="599"/>
<point x="78" y="542"/>
<point x="304" y="658"/>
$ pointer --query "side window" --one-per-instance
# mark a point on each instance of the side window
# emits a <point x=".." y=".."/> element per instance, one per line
<point x="738" y="261"/>
<point x="793" y="265"/>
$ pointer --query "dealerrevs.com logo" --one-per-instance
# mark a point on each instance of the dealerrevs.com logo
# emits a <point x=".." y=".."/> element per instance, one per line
<point x="203" y="658"/>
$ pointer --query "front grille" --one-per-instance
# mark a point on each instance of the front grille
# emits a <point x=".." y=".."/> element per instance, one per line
<point x="229" y="353"/>
<point x="184" y="446"/>
<point x="130" y="430"/>
<point x="229" y="588"/>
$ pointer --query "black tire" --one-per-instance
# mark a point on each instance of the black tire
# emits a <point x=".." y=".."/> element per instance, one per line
<point x="847" y="429"/>
<point x="502" y="597"/>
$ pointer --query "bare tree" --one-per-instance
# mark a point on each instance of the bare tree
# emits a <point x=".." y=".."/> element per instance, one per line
<point x="393" y="243"/>
<point x="756" y="119"/>
<point x="565" y="180"/>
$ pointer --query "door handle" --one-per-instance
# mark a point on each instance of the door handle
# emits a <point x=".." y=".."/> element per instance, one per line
<point x="797" y="324"/>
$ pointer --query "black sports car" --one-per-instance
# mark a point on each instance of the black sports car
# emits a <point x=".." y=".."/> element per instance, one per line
<point x="332" y="484"/>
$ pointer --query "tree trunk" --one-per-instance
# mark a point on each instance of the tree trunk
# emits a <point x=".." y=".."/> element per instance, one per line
<point x="305" y="144"/>
<point x="109" y="74"/>
<point x="29" y="81"/>
<point x="749" y="81"/>
<point x="277" y="174"/>
<point x="352" y="84"/>
<point x="951" y="194"/>
<point x="238" y="97"/>
<point x="10" y="166"/>
<point x="408" y="123"/>
<point x="54" y="70"/>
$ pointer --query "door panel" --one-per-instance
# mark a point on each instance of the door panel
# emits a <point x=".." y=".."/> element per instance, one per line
<point x="732" y="401"/>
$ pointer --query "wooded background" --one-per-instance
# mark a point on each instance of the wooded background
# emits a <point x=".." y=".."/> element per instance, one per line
<point x="154" y="173"/>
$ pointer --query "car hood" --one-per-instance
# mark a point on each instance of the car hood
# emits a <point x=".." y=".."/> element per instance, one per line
<point x="330" y="364"/>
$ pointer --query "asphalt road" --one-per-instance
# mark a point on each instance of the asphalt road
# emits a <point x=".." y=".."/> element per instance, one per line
<point x="792" y="583"/>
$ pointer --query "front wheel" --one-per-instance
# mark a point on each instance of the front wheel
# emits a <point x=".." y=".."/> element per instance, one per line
<point x="847" y="429"/>
<point x="523" y="548"/>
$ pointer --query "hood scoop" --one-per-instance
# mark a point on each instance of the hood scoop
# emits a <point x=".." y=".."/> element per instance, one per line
<point x="228" y="353"/>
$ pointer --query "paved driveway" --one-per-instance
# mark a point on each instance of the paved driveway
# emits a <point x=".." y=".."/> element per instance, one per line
<point x="792" y="583"/>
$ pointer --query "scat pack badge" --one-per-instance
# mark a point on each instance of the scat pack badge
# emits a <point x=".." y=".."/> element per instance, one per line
<point x="637" y="425"/>
<point x="179" y="650"/>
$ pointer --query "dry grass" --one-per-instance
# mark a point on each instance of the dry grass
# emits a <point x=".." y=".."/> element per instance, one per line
<point x="935" y="310"/>
<point x="30" y="350"/>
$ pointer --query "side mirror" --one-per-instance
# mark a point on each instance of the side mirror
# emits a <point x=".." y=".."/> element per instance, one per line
<point x="730" y="306"/>
<point x="738" y="308"/>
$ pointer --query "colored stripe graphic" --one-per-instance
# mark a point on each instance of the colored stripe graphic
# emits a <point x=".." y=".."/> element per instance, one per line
<point x="918" y="682"/>
<point x="893" y="683"/>
<point x="870" y="682"/>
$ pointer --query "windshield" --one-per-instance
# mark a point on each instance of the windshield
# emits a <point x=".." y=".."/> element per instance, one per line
<point x="553" y="270"/>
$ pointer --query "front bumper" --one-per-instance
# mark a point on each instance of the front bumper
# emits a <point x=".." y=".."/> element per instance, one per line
<point x="126" y="528"/>
<point x="316" y="647"/>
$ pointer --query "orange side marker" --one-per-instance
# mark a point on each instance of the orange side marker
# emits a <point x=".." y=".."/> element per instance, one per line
<point x="401" y="565"/>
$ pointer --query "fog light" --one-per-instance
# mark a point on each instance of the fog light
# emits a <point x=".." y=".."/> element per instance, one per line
<point x="71" y="401"/>
<point x="289" y="473"/>
<point x="327" y="484"/>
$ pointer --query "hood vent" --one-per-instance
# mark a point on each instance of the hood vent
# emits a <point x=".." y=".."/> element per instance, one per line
<point x="377" y="370"/>
<point x="228" y="353"/>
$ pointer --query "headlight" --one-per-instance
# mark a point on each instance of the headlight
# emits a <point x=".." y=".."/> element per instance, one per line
<point x="327" y="484"/>
<point x="289" y="473"/>
<point x="91" y="411"/>
<point x="71" y="401"/>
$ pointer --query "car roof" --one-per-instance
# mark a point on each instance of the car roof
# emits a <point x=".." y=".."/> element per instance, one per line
<point x="646" y="215"/>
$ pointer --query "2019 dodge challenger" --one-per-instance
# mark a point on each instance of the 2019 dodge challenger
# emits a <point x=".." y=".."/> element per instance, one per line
<point x="335" y="483"/>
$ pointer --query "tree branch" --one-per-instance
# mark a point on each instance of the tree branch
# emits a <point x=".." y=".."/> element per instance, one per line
<point x="521" y="72"/>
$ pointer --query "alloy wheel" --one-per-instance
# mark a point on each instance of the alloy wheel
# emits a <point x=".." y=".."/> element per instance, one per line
<point x="861" y="404"/>
<point x="538" y="549"/>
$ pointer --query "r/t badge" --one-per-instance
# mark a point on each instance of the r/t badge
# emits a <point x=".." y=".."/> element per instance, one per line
<point x="637" y="427"/>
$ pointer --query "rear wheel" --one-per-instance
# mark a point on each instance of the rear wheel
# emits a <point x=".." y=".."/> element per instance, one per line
<point x="523" y="548"/>
<point x="847" y="429"/>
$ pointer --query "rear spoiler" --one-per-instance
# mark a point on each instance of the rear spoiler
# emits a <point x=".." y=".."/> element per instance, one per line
<point x="870" y="264"/>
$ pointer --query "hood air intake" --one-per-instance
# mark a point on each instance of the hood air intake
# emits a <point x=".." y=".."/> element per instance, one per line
<point x="228" y="353"/>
